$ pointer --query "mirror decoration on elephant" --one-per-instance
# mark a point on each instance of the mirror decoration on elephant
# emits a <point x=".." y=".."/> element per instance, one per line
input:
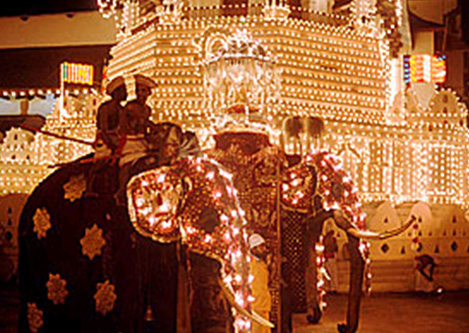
<point x="195" y="201"/>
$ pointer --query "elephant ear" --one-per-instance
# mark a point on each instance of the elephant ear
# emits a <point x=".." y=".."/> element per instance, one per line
<point x="195" y="202"/>
<point x="212" y="224"/>
<point x="153" y="200"/>
<point x="211" y="220"/>
<point x="336" y="187"/>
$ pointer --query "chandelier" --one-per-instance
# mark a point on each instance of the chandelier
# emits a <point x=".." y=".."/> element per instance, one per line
<point x="240" y="76"/>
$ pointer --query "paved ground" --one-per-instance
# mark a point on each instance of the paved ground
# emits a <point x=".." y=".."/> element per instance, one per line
<point x="397" y="313"/>
<point x="380" y="313"/>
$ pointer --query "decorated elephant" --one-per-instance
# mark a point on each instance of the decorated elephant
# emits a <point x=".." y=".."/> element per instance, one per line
<point x="313" y="188"/>
<point x="83" y="268"/>
<point x="172" y="202"/>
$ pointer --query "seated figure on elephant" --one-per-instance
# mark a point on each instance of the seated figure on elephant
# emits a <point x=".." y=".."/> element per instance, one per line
<point x="124" y="142"/>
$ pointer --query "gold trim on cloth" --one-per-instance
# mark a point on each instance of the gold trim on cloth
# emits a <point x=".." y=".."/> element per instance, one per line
<point x="34" y="318"/>
<point x="75" y="187"/>
<point x="56" y="289"/>
<point x="93" y="242"/>
<point x="42" y="223"/>
<point x="105" y="297"/>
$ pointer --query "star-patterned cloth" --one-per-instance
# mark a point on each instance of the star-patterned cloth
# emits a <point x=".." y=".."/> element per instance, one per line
<point x="105" y="297"/>
<point x="56" y="289"/>
<point x="93" y="242"/>
<point x="41" y="222"/>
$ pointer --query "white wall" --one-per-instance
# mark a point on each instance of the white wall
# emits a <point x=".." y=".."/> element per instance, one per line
<point x="394" y="268"/>
<point x="36" y="106"/>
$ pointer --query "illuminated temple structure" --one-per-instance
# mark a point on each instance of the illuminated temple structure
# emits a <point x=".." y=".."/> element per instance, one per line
<point x="403" y="139"/>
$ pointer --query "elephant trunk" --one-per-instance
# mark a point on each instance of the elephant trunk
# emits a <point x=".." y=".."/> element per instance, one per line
<point x="351" y="230"/>
<point x="248" y="314"/>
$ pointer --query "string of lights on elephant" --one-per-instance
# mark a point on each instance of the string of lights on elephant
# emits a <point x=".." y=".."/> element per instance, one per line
<point x="194" y="200"/>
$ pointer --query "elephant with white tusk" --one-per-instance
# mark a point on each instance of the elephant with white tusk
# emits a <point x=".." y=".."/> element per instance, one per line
<point x="287" y="199"/>
<point x="87" y="266"/>
<point x="197" y="200"/>
<point x="83" y="267"/>
<point x="193" y="202"/>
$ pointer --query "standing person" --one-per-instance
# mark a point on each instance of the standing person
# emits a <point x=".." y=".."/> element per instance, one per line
<point x="260" y="285"/>
<point x="330" y="252"/>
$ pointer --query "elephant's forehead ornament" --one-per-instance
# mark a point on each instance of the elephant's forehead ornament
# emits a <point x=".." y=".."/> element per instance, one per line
<point x="195" y="202"/>
<point x="153" y="202"/>
<point x="322" y="175"/>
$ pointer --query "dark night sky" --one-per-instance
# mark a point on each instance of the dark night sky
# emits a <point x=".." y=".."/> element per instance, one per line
<point x="30" y="7"/>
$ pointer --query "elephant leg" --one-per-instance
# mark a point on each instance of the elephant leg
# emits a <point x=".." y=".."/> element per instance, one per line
<point x="357" y="265"/>
<point x="164" y="287"/>
<point x="313" y="230"/>
<point x="313" y="307"/>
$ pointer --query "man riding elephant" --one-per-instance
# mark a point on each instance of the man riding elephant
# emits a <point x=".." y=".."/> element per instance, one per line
<point x="109" y="113"/>
<point x="107" y="137"/>
<point x="135" y="127"/>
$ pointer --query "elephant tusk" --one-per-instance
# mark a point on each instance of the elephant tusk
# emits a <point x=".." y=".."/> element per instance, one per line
<point x="249" y="314"/>
<point x="371" y="235"/>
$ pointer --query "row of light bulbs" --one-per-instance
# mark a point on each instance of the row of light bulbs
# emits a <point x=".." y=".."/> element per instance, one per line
<point x="129" y="40"/>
